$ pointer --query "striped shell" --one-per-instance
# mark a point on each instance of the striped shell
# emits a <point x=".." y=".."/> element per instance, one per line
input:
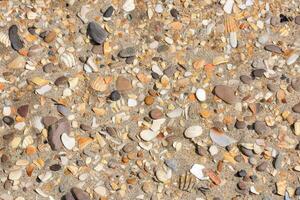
<point x="68" y="60"/>
<point x="4" y="39"/>
<point x="187" y="182"/>
<point x="230" y="24"/>
<point x="99" y="84"/>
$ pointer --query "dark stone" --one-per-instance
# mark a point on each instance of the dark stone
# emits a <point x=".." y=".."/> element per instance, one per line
<point x="297" y="191"/>
<point x="257" y="73"/>
<point x="297" y="20"/>
<point x="85" y="127"/>
<point x="225" y="93"/>
<point x="154" y="75"/>
<point x="174" y="13"/>
<point x="23" y="110"/>
<point x="55" y="167"/>
<point x="55" y="131"/>
<point x="240" y="124"/>
<point x="79" y="194"/>
<point x="8" y="120"/>
<point x="115" y="95"/>
<point x="49" y="68"/>
<point x="273" y="48"/>
<point x="48" y="120"/>
<point x="284" y="18"/>
<point x="61" y="81"/>
<point x="97" y="33"/>
<point x="296" y="108"/>
<point x="170" y="71"/>
<point x="262" y="166"/>
<point x="69" y="196"/>
<point x="246" y="79"/>
<point x="129" y="60"/>
<point x="260" y="127"/>
<point x="127" y="52"/>
<point x="15" y="40"/>
<point x="108" y="12"/>
<point x="246" y="152"/>
<point x="31" y="30"/>
<point x="242" y="185"/>
<point x="242" y="173"/>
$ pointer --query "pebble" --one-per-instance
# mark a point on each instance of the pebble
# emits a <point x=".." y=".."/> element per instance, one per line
<point x="55" y="167"/>
<point x="163" y="176"/>
<point x="258" y="73"/>
<point x="246" y="152"/>
<point x="193" y="131"/>
<point x="296" y="108"/>
<point x="115" y="95"/>
<point x="15" y="40"/>
<point x="201" y="94"/>
<point x="17" y="63"/>
<point x="260" y="127"/>
<point x="148" y="135"/>
<point x="296" y="84"/>
<point x="242" y="185"/>
<point x="50" y="37"/>
<point x="297" y="191"/>
<point x="240" y="124"/>
<point x="226" y="93"/>
<point x="97" y="33"/>
<point x="108" y="12"/>
<point x="297" y="20"/>
<point x="278" y="161"/>
<point x="273" y="48"/>
<point x="8" y="120"/>
<point x="15" y="175"/>
<point x="262" y="166"/>
<point x="128" y="6"/>
<point x="297" y="127"/>
<point x="213" y="150"/>
<point x="156" y="113"/>
<point x="197" y="170"/>
<point x="69" y="196"/>
<point x="242" y="173"/>
<point x="246" y="79"/>
<point x="55" y="131"/>
<point x="174" y="13"/>
<point x="228" y="6"/>
<point x="127" y="52"/>
<point x="123" y="84"/>
<point x="159" y="8"/>
<point x="100" y="190"/>
<point x="79" y="194"/>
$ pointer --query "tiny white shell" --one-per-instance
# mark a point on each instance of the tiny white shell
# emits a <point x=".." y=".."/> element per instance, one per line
<point x="4" y="39"/>
<point x="193" y="131"/>
<point x="292" y="59"/>
<point x="201" y="94"/>
<point x="148" y="135"/>
<point x="68" y="60"/>
<point x="233" y="39"/>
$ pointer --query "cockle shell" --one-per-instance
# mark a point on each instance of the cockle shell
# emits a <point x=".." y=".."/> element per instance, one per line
<point x="68" y="60"/>
<point x="4" y="39"/>
<point x="187" y="182"/>
<point x="99" y="84"/>
<point x="230" y="24"/>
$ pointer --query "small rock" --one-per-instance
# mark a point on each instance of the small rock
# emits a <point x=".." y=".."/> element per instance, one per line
<point x="201" y="94"/>
<point x="260" y="127"/>
<point x="55" y="131"/>
<point x="155" y="113"/>
<point x="258" y="73"/>
<point x="128" y="6"/>
<point x="148" y="135"/>
<point x="246" y="152"/>
<point x="163" y="176"/>
<point x="97" y="33"/>
<point x="297" y="20"/>
<point x="129" y="147"/>
<point x="246" y="79"/>
<point x="197" y="170"/>
<point x="108" y="12"/>
<point x="79" y="194"/>
<point x="240" y="124"/>
<point x="296" y="108"/>
<point x="15" y="175"/>
<point x="213" y="150"/>
<point x="49" y="68"/>
<point x="35" y="50"/>
<point x="242" y="173"/>
<point x="61" y="81"/>
<point x="149" y="100"/>
<point x="297" y="128"/>
<point x="48" y="120"/>
<point x="123" y="84"/>
<point x="159" y="8"/>
<point x="147" y="187"/>
<point x="228" y="6"/>
<point x="115" y="95"/>
<point x="17" y="63"/>
<point x="127" y="52"/>
<point x="101" y="191"/>
<point x="50" y="37"/>
<point x="174" y="13"/>
<point x="273" y="48"/>
<point x="278" y="161"/>
<point x="225" y="93"/>
<point x="55" y="167"/>
<point x="69" y="196"/>
<point x="262" y="166"/>
<point x="297" y="191"/>
<point x="15" y="40"/>
<point x="296" y="84"/>
<point x="23" y="110"/>
<point x="242" y="185"/>
<point x="193" y="131"/>
<point x="8" y="120"/>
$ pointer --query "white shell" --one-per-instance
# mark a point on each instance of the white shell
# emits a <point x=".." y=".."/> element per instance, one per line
<point x="45" y="177"/>
<point x="129" y="5"/>
<point x="4" y="39"/>
<point x="175" y="113"/>
<point x="83" y="12"/>
<point x="163" y="176"/>
<point x="68" y="60"/>
<point x="15" y="175"/>
<point x="228" y="6"/>
<point x="220" y="138"/>
<point x="197" y="170"/>
<point x="193" y="131"/>
<point x="233" y="39"/>
<point x="292" y="59"/>
<point x="68" y="142"/>
<point x="148" y="135"/>
<point x="201" y="94"/>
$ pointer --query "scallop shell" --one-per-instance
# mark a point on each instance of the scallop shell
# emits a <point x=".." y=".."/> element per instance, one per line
<point x="99" y="84"/>
<point x="187" y="182"/>
<point x="230" y="24"/>
<point x="4" y="39"/>
<point x="68" y="60"/>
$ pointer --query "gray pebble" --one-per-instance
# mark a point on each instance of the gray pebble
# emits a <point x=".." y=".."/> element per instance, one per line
<point x="296" y="108"/>
<point x="15" y="40"/>
<point x="246" y="79"/>
<point x="246" y="152"/>
<point x="171" y="164"/>
<point x="273" y="48"/>
<point x="296" y="84"/>
<point x="278" y="161"/>
<point x="97" y="33"/>
<point x="225" y="93"/>
<point x="297" y="20"/>
<point x="127" y="52"/>
<point x="55" y="131"/>
<point x="79" y="194"/>
<point x="262" y="166"/>
<point x="260" y="127"/>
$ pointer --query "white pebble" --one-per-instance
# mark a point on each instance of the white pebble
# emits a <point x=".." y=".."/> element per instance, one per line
<point x="15" y="175"/>
<point x="197" y="170"/>
<point x="213" y="150"/>
<point x="175" y="113"/>
<point x="292" y="59"/>
<point x="159" y="8"/>
<point x="228" y="6"/>
<point x="148" y="135"/>
<point x="193" y="131"/>
<point x="157" y="70"/>
<point x="169" y="40"/>
<point x="132" y="102"/>
<point x="128" y="5"/>
<point x="44" y="89"/>
<point x="201" y="94"/>
<point x="6" y="111"/>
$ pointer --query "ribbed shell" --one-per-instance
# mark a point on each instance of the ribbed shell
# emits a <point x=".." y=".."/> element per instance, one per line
<point x="187" y="182"/>
<point x="68" y="60"/>
<point x="4" y="39"/>
<point x="99" y="84"/>
<point x="230" y="24"/>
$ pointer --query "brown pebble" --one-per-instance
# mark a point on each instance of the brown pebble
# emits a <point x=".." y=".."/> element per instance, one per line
<point x="155" y="113"/>
<point x="123" y="84"/>
<point x="149" y="100"/>
<point x="242" y="185"/>
<point x="23" y="110"/>
<point x="225" y="93"/>
<point x="50" y="37"/>
<point x="262" y="166"/>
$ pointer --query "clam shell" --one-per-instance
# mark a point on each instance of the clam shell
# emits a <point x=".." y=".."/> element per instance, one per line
<point x="99" y="84"/>
<point x="4" y="39"/>
<point x="193" y="131"/>
<point x="220" y="138"/>
<point x="68" y="60"/>
<point x="230" y="24"/>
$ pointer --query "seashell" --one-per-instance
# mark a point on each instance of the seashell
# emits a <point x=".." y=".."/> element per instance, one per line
<point x="220" y="138"/>
<point x="175" y="113"/>
<point x="230" y="24"/>
<point x="220" y="60"/>
<point x="233" y="39"/>
<point x="292" y="58"/>
<point x="99" y="84"/>
<point x="197" y="171"/>
<point x="4" y="39"/>
<point x="228" y="6"/>
<point x="187" y="182"/>
<point x="83" y="13"/>
<point x="148" y="135"/>
<point x="193" y="131"/>
<point x="39" y="81"/>
<point x="68" y="60"/>
<point x="28" y="140"/>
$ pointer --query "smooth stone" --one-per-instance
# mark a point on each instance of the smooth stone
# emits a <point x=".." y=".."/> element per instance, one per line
<point x="96" y="32"/>
<point x="175" y="113"/>
<point x="68" y="142"/>
<point x="108" y="12"/>
<point x="129" y="147"/>
<point x="193" y="131"/>
<point x="278" y="161"/>
<point x="197" y="170"/>
<point x="48" y="120"/>
<point x="15" y="175"/>
<point x="273" y="48"/>
<point x="8" y="120"/>
<point x="213" y="150"/>
<point x="63" y="110"/>
<point x="123" y="84"/>
<point x="297" y="20"/>
<point x="246" y="152"/>
<point x="115" y="95"/>
<point x="127" y="52"/>
<point x="292" y="58"/>
<point x="61" y="81"/>
<point x="100" y="190"/>
<point x="174" y="13"/>
<point x="260" y="127"/>
<point x="69" y="196"/>
<point x="272" y="87"/>
<point x="225" y="93"/>
<point x="240" y="124"/>
<point x="201" y="94"/>
<point x="148" y="135"/>
<point x="15" y="40"/>
<point x="50" y="37"/>
<point x="228" y="6"/>
<point x="79" y="194"/>
<point x="258" y="63"/>
<point x="172" y="163"/>
<point x="132" y="103"/>
<point x="156" y="113"/>
<point x="55" y="131"/>
<point x="296" y="108"/>
<point x="262" y="166"/>
<point x="297" y="192"/>
<point x="35" y="50"/>
<point x="163" y="176"/>
<point x="23" y="110"/>
<point x="55" y="167"/>
<point x="297" y="127"/>
<point x="242" y="173"/>
<point x="49" y="68"/>
<point x="170" y="71"/>
<point x="258" y="73"/>
<point x="246" y="79"/>
<point x="296" y="84"/>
